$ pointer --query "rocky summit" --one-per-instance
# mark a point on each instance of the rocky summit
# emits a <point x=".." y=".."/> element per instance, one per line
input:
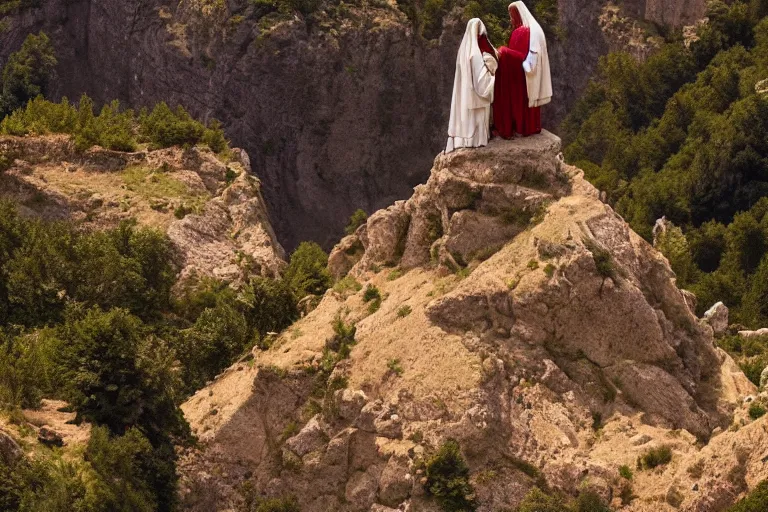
<point x="503" y="306"/>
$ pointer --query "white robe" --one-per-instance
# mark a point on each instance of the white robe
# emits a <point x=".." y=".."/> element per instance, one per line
<point x="537" y="76"/>
<point x="473" y="83"/>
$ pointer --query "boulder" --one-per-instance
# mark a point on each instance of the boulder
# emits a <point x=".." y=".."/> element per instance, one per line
<point x="312" y="437"/>
<point x="395" y="482"/>
<point x="344" y="256"/>
<point x="49" y="437"/>
<point x="717" y="318"/>
<point x="753" y="334"/>
<point x="10" y="451"/>
<point x="361" y="489"/>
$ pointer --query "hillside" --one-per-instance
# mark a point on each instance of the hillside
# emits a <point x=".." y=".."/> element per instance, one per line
<point x="505" y="308"/>
<point x="211" y="210"/>
<point x="340" y="105"/>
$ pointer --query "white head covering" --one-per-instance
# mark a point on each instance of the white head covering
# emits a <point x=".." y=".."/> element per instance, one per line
<point x="538" y="79"/>
<point x="472" y="84"/>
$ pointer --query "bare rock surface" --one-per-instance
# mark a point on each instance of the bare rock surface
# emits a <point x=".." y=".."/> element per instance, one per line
<point x="213" y="211"/>
<point x="717" y="318"/>
<point x="560" y="350"/>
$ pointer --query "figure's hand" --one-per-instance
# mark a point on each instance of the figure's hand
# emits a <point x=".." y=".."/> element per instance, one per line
<point x="527" y="66"/>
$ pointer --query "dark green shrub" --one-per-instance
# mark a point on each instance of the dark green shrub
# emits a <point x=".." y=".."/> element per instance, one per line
<point x="755" y="501"/>
<point x="371" y="293"/>
<point x="307" y="273"/>
<point x="537" y="501"/>
<point x="625" y="472"/>
<point x="213" y="137"/>
<point x="654" y="457"/>
<point x="447" y="476"/>
<point x="115" y="375"/>
<point x="219" y="335"/>
<point x="590" y="501"/>
<point x="28" y="72"/>
<point x="355" y="221"/>
<point x="164" y="127"/>
<point x="756" y="410"/>
<point x="26" y="370"/>
<point x="125" y="466"/>
<point x="270" y="305"/>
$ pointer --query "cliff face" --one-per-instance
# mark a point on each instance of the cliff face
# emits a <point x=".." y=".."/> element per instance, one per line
<point x="517" y="314"/>
<point x="344" y="114"/>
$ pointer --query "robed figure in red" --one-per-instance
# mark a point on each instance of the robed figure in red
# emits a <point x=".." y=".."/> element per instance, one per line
<point x="522" y="79"/>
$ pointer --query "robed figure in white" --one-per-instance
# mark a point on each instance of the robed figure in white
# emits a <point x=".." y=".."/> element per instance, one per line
<point x="469" y="124"/>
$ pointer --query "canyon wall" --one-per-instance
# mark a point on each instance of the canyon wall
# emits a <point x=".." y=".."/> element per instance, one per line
<point x="344" y="113"/>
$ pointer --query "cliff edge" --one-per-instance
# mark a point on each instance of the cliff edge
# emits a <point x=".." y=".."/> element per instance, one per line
<point x="504" y="306"/>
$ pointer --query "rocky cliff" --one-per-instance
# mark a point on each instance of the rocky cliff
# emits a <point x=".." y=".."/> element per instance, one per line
<point x="212" y="210"/>
<point x="504" y="306"/>
<point x="341" y="113"/>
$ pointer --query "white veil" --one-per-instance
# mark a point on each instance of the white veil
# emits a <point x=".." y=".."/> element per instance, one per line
<point x="538" y="79"/>
<point x="470" y="91"/>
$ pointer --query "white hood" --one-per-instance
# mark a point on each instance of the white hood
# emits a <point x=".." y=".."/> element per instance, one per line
<point x="472" y="85"/>
<point x="538" y="79"/>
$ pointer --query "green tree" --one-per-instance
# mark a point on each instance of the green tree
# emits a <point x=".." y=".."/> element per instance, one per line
<point x="447" y="476"/>
<point x="28" y="72"/>
<point x="307" y="271"/>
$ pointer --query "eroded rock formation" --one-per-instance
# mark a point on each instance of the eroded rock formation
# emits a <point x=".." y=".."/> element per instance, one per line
<point x="519" y="315"/>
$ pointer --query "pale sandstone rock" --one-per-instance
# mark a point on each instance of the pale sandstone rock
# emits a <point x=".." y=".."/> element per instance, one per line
<point x="310" y="438"/>
<point x="752" y="334"/>
<point x="717" y="318"/>
<point x="10" y="451"/>
<point x="361" y="489"/>
<point x="395" y="483"/>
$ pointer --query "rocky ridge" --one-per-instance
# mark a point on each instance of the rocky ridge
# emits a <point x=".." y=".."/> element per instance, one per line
<point x="517" y="314"/>
<point x="212" y="210"/>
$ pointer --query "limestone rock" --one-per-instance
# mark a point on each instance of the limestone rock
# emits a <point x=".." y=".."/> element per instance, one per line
<point x="764" y="377"/>
<point x="361" y="489"/>
<point x="717" y="318"/>
<point x="311" y="437"/>
<point x="753" y="334"/>
<point x="395" y="483"/>
<point x="474" y="202"/>
<point x="345" y="255"/>
<point x="10" y="451"/>
<point x="350" y="403"/>
<point x="381" y="508"/>
<point x="575" y="323"/>
<point x="690" y="300"/>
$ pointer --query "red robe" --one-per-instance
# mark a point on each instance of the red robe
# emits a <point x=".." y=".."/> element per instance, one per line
<point x="511" y="113"/>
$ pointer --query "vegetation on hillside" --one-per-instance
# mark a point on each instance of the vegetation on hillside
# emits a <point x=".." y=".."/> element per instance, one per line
<point x="114" y="127"/>
<point x="28" y="72"/>
<point x="685" y="135"/>
<point x="27" y="77"/>
<point x="89" y="317"/>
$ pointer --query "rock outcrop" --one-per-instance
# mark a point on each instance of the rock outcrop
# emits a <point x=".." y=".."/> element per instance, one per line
<point x="339" y="111"/>
<point x="717" y="318"/>
<point x="517" y="314"/>
<point x="212" y="210"/>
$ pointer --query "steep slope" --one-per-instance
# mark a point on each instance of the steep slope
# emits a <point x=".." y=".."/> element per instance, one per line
<point x="517" y="314"/>
<point x="342" y="113"/>
<point x="212" y="210"/>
